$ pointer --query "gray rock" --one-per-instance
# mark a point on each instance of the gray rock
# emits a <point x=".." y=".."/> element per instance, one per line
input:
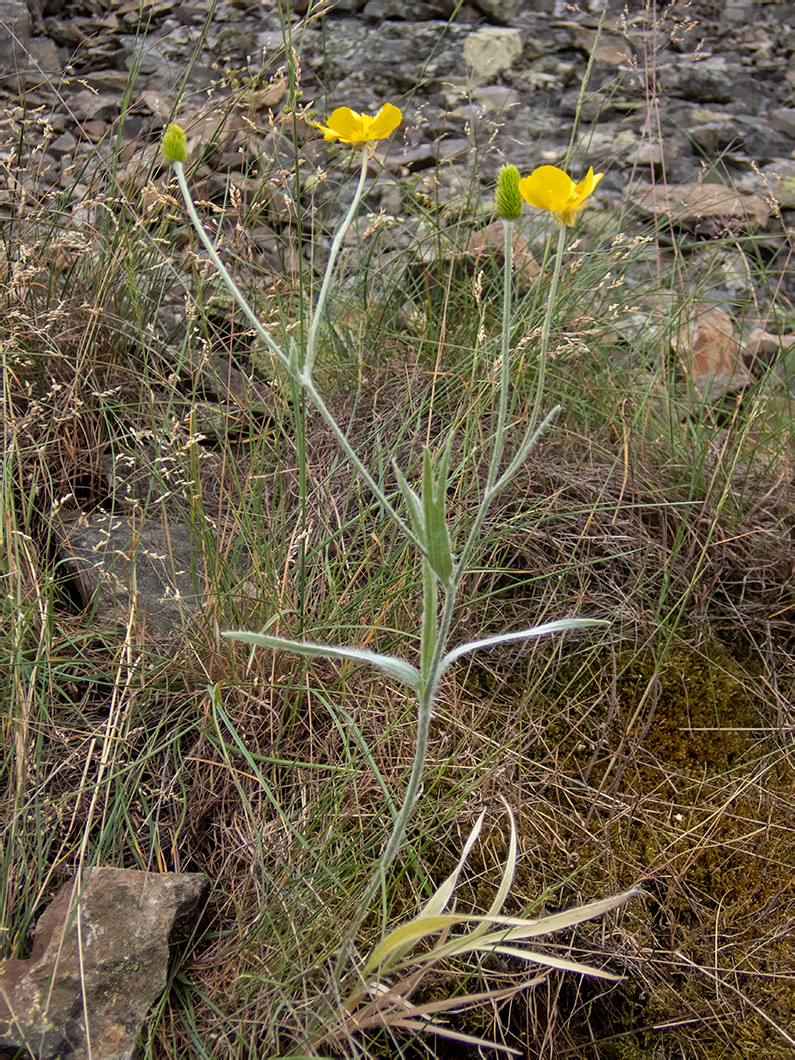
<point x="653" y="154"/>
<point x="121" y="563"/>
<point x="115" y="81"/>
<point x="370" y="64"/>
<point x="43" y="58"/>
<point x="505" y="10"/>
<point x="764" y="144"/>
<point x="427" y="155"/>
<point x="100" y="960"/>
<point x="490" y="51"/>
<point x="694" y="202"/>
<point x="598" y="105"/>
<point x="750" y="93"/>
<point x="64" y="144"/>
<point x="610" y="141"/>
<point x="496" y="98"/>
<point x="711" y="80"/>
<point x="738" y="12"/>
<point x="15" y="32"/>
<point x="712" y="137"/>
<point x="347" y="7"/>
<point x="233" y="43"/>
<point x="409" y="10"/>
<point x="96" y="106"/>
<point x="783" y="120"/>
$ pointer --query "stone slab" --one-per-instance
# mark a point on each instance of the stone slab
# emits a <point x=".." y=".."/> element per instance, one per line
<point x="100" y="961"/>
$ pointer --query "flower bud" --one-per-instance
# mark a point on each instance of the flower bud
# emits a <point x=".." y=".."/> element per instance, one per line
<point x="174" y="145"/>
<point x="509" y="201"/>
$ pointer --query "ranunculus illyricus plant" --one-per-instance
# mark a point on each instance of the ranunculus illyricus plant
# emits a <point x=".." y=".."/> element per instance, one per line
<point x="445" y="545"/>
<point x="349" y="127"/>
<point x="549" y="188"/>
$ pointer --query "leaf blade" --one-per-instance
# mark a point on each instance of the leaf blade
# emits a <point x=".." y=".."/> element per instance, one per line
<point x="560" y="625"/>
<point x="390" y="664"/>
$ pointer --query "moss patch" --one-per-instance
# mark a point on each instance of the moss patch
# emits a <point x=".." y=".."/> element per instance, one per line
<point x="667" y="776"/>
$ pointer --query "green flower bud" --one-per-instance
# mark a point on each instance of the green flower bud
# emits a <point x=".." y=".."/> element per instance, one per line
<point x="509" y="201"/>
<point x="174" y="145"/>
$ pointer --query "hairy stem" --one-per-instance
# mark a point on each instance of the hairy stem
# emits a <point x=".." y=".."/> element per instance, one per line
<point x="339" y="235"/>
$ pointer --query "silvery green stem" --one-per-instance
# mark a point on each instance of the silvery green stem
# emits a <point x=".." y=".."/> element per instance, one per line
<point x="502" y="410"/>
<point x="505" y="357"/>
<point x="425" y="706"/>
<point x="317" y="317"/>
<point x="441" y="633"/>
<point x="234" y="290"/>
<point x="432" y="654"/>
<point x="435" y="632"/>
<point x="546" y="329"/>
<point x="533" y="433"/>
<point x="302" y="377"/>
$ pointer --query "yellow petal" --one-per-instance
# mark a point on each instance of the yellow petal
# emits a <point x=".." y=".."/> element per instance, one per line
<point x="586" y="186"/>
<point x="547" y="188"/>
<point x="385" y="122"/>
<point x="345" y="124"/>
<point x="359" y="129"/>
<point x="328" y="133"/>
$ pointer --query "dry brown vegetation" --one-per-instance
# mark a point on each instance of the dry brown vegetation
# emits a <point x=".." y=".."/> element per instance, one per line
<point x="658" y="753"/>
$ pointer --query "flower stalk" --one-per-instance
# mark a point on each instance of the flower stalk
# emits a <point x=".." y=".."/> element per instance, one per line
<point x="336" y="244"/>
<point x="300" y="373"/>
<point x="546" y="329"/>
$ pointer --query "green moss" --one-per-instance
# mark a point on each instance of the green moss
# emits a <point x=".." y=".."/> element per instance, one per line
<point x="656" y="770"/>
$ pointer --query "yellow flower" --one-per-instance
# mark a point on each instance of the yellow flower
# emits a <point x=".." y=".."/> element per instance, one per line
<point x="360" y="129"/>
<point x="549" y="188"/>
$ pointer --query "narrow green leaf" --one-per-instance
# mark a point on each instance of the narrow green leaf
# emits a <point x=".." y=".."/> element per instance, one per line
<point x="568" y="918"/>
<point x="434" y="501"/>
<point x="390" y="664"/>
<point x="510" y="868"/>
<point x="453" y="1004"/>
<point x="441" y="1031"/>
<point x="444" y="892"/>
<point x="554" y="962"/>
<point x="558" y="626"/>
<point x="511" y="929"/>
<point x="505" y="883"/>
<point x="410" y="933"/>
<point x="519" y="930"/>
<point x="413" y="503"/>
<point x="430" y="618"/>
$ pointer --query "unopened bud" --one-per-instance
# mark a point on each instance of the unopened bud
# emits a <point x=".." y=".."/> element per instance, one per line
<point x="174" y="145"/>
<point x="509" y="201"/>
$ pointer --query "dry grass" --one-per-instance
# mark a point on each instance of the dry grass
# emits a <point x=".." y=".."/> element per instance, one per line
<point x="659" y="753"/>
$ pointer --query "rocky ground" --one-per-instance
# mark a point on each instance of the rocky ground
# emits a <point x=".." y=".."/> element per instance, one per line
<point x="684" y="94"/>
